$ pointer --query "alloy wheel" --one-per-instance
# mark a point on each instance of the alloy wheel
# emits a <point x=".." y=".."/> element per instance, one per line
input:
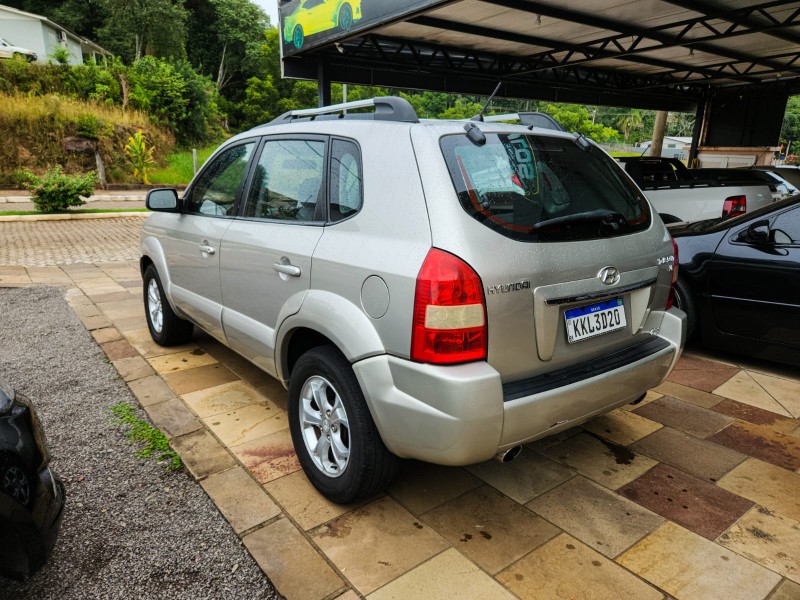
<point x="324" y="426"/>
<point x="154" y="307"/>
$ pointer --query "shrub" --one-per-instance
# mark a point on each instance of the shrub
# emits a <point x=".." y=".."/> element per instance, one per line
<point x="56" y="191"/>
<point x="140" y="155"/>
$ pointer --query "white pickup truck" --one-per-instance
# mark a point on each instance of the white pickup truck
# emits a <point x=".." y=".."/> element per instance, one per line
<point x="678" y="196"/>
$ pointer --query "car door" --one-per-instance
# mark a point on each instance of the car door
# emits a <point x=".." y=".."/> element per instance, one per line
<point x="316" y="18"/>
<point x="755" y="279"/>
<point x="266" y="254"/>
<point x="192" y="246"/>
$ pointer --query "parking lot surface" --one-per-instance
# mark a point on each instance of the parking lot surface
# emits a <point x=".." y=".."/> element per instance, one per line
<point x="693" y="493"/>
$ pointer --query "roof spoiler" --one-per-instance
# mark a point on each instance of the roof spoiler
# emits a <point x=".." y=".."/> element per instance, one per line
<point x="387" y="108"/>
<point x="531" y="119"/>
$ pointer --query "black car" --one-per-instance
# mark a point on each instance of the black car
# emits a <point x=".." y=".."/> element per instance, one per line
<point x="739" y="281"/>
<point x="31" y="496"/>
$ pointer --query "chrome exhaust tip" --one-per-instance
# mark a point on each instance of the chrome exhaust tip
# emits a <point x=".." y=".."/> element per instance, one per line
<point x="508" y="455"/>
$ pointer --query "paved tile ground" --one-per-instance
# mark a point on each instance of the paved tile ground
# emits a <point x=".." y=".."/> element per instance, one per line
<point x="694" y="493"/>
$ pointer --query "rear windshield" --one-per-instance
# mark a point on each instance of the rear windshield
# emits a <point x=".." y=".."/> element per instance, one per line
<point x="533" y="188"/>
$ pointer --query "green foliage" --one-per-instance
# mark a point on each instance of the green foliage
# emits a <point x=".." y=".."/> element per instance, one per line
<point x="791" y="122"/>
<point x="152" y="443"/>
<point x="60" y="55"/>
<point x="92" y="127"/>
<point x="56" y="191"/>
<point x="140" y="155"/>
<point x="134" y="28"/>
<point x="574" y="117"/>
<point x="180" y="167"/>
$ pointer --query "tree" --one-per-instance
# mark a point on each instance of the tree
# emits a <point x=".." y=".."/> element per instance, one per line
<point x="138" y="27"/>
<point x="630" y="123"/>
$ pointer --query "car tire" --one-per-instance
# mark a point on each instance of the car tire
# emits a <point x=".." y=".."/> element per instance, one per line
<point x="685" y="301"/>
<point x="345" y="17"/>
<point x="333" y="433"/>
<point x="16" y="481"/>
<point x="166" y="328"/>
<point x="298" y="37"/>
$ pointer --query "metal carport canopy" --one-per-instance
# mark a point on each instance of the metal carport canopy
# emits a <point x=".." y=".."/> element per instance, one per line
<point x="655" y="54"/>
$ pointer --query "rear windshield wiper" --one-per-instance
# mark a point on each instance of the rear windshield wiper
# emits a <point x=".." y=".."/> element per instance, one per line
<point x="601" y="216"/>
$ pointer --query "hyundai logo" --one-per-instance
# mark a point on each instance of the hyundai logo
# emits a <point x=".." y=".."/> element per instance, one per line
<point x="608" y="275"/>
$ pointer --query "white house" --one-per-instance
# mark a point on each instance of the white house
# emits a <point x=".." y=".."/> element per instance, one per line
<point x="674" y="146"/>
<point x="41" y="35"/>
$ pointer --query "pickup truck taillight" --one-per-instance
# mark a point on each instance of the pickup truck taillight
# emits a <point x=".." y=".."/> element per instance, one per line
<point x="449" y="323"/>
<point x="671" y="297"/>
<point x="734" y="206"/>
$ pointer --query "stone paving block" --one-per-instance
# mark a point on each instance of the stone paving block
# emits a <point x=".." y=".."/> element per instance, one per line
<point x="438" y="578"/>
<point x="595" y="515"/>
<point x="348" y="595"/>
<point x="622" y="427"/>
<point x="109" y="334"/>
<point x="544" y="443"/>
<point x="134" y="367"/>
<point x="130" y="323"/>
<point x="765" y="484"/>
<point x="112" y="297"/>
<point x="375" y="543"/>
<point x="524" y="478"/>
<point x="606" y="463"/>
<point x="224" y="398"/>
<point x="693" y="503"/>
<point x="688" y="566"/>
<point x="150" y="390"/>
<point x="95" y="322"/>
<point x="566" y="568"/>
<point x="787" y="590"/>
<point x="761" y="442"/>
<point x="292" y="563"/>
<point x="743" y="388"/>
<point x="86" y="310"/>
<point x="758" y="416"/>
<point x="421" y="486"/>
<point x="683" y="416"/>
<point x="784" y="391"/>
<point x="649" y="397"/>
<point x="268" y="457"/>
<point x="303" y="502"/>
<point x="202" y="454"/>
<point x="173" y="418"/>
<point x="689" y="454"/>
<point x="130" y="283"/>
<point x="767" y="538"/>
<point x="240" y="499"/>
<point x="246" y="424"/>
<point x="118" y="349"/>
<point x="180" y="361"/>
<point x="191" y="380"/>
<point x="124" y="309"/>
<point x="701" y="374"/>
<point x="490" y="528"/>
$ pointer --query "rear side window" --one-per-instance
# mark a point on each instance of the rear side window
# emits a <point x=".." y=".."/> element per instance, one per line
<point x="533" y="188"/>
<point x="346" y="184"/>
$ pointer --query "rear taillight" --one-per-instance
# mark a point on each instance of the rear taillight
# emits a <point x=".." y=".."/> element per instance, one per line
<point x="671" y="297"/>
<point x="735" y="205"/>
<point x="449" y="312"/>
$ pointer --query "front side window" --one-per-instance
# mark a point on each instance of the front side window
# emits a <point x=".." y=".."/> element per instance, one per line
<point x="216" y="191"/>
<point x="287" y="183"/>
<point x="345" y="186"/>
<point x="533" y="188"/>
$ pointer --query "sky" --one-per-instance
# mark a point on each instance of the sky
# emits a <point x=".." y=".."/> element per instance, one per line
<point x="271" y="8"/>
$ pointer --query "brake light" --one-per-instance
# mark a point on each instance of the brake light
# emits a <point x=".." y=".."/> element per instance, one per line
<point x="671" y="297"/>
<point x="734" y="206"/>
<point x="449" y="323"/>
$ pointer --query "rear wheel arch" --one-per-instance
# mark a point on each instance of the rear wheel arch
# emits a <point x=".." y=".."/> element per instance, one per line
<point x="685" y="300"/>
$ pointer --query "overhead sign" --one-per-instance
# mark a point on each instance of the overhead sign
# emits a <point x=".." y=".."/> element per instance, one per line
<point x="309" y="23"/>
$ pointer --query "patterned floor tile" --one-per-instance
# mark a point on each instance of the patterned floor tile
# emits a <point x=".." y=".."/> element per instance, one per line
<point x="191" y="380"/>
<point x="758" y="416"/>
<point x="689" y="454"/>
<point x="622" y="427"/>
<point x="768" y="538"/>
<point x="243" y="502"/>
<point x="695" y="504"/>
<point x="421" y="486"/>
<point x="490" y="528"/>
<point x="180" y="361"/>
<point x="761" y="442"/>
<point x="690" y="567"/>
<point x="787" y="590"/>
<point x="765" y="484"/>
<point x="595" y="515"/>
<point x="680" y="415"/>
<point x="701" y="374"/>
<point x="609" y="464"/>
<point x="268" y="457"/>
<point x="564" y="568"/>
<point x="743" y="388"/>
<point x="688" y="394"/>
<point x="376" y="543"/>
<point x="224" y="398"/>
<point x="649" y="397"/>
<point x="246" y="424"/>
<point x="786" y="392"/>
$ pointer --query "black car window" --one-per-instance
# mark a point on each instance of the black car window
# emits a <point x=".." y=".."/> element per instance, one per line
<point x="287" y="182"/>
<point x="216" y="191"/>
<point x="786" y="227"/>
<point x="345" y="186"/>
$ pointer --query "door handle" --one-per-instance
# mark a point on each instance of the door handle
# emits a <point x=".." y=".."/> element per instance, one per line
<point x="290" y="270"/>
<point x="207" y="249"/>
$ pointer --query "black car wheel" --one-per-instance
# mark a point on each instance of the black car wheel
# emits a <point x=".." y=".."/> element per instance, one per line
<point x="166" y="328"/>
<point x="15" y="481"/>
<point x="685" y="301"/>
<point x="334" y="435"/>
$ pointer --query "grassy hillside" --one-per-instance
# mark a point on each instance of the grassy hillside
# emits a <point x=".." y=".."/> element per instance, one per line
<point x="33" y="130"/>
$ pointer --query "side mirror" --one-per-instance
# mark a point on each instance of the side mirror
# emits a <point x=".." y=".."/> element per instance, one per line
<point x="163" y="200"/>
<point x="756" y="233"/>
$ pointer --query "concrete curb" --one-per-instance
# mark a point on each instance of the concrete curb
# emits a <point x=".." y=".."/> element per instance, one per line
<point x="95" y="198"/>
<point x="72" y="217"/>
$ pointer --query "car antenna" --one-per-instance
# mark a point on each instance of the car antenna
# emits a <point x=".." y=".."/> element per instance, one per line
<point x="474" y="133"/>
<point x="479" y="116"/>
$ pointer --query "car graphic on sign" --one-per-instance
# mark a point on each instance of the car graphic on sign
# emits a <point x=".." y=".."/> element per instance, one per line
<point x="315" y="16"/>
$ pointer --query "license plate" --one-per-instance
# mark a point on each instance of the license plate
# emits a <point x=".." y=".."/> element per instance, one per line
<point x="595" y="319"/>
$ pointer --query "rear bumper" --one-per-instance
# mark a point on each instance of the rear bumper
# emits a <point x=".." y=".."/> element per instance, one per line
<point x="458" y="415"/>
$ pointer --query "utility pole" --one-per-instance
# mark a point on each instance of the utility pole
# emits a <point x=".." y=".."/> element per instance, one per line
<point x="658" y="133"/>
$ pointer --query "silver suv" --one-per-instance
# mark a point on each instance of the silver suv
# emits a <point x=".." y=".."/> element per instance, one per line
<point x="437" y="290"/>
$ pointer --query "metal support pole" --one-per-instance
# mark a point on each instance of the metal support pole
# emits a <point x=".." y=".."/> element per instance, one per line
<point x="194" y="160"/>
<point x="697" y="131"/>
<point x="323" y="85"/>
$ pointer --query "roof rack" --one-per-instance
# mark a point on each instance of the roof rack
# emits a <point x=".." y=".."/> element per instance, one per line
<point x="531" y="119"/>
<point x="387" y="108"/>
